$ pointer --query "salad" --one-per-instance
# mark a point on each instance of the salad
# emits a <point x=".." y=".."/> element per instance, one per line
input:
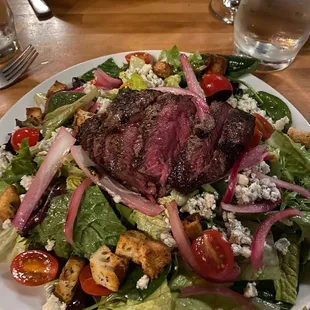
<point x="241" y="242"/>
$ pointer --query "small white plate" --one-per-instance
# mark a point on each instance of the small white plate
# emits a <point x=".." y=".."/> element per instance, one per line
<point x="15" y="296"/>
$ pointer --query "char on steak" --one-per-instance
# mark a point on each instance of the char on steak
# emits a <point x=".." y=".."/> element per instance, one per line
<point x="152" y="141"/>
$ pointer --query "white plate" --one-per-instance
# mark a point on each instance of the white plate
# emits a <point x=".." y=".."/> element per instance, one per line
<point x="15" y="296"/>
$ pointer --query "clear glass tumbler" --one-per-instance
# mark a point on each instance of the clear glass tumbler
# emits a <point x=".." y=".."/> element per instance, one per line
<point x="8" y="37"/>
<point x="272" y="31"/>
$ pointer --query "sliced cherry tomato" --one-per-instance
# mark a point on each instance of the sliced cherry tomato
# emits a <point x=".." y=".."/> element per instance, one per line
<point x="257" y="136"/>
<point x="20" y="134"/>
<point x="216" y="87"/>
<point x="33" y="268"/>
<point x="214" y="254"/>
<point x="89" y="286"/>
<point x="264" y="126"/>
<point x="143" y="55"/>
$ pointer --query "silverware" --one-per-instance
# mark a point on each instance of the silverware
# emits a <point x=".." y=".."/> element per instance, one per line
<point x="10" y="73"/>
<point x="41" y="8"/>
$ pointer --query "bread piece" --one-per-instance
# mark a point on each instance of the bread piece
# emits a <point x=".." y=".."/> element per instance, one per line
<point x="9" y="202"/>
<point x="80" y="117"/>
<point x="152" y="255"/>
<point x="57" y="86"/>
<point x="69" y="279"/>
<point x="192" y="226"/>
<point x="300" y="136"/>
<point x="107" y="268"/>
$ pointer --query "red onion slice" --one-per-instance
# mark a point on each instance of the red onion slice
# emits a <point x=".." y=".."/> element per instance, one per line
<point x="74" y="208"/>
<point x="198" y="290"/>
<point x="116" y="190"/>
<point x="261" y="207"/>
<point x="282" y="184"/>
<point x="185" y="248"/>
<point x="261" y="235"/>
<point x="201" y="106"/>
<point x="233" y="179"/>
<point x="190" y="77"/>
<point x="51" y="164"/>
<point x="253" y="156"/>
<point x="105" y="81"/>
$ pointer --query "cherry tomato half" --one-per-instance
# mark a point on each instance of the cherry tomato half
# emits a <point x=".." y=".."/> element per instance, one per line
<point x="264" y="126"/>
<point x="33" y="268"/>
<point x="89" y="286"/>
<point x="214" y="254"/>
<point x="143" y="55"/>
<point x="20" y="134"/>
<point x="216" y="87"/>
<point x="257" y="136"/>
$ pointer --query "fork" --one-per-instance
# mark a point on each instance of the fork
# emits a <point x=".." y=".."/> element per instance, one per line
<point x="10" y="73"/>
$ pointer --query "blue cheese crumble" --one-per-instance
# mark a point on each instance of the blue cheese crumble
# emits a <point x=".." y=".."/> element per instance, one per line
<point x="204" y="204"/>
<point x="53" y="303"/>
<point x="250" y="290"/>
<point x="26" y="181"/>
<point x="5" y="159"/>
<point x="143" y="282"/>
<point x="50" y="245"/>
<point x="282" y="245"/>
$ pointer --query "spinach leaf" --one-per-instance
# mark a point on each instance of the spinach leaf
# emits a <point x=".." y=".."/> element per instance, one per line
<point x="95" y="224"/>
<point x="63" y="98"/>
<point x="125" y="215"/>
<point x="286" y="286"/>
<point x="22" y="164"/>
<point x="109" y="67"/>
<point x="275" y="107"/>
<point x="240" y="65"/>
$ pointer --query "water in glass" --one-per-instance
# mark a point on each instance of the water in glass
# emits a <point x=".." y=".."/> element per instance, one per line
<point x="272" y="31"/>
<point x="8" y="37"/>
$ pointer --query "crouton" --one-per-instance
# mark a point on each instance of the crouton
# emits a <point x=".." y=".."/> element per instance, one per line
<point x="107" y="268"/>
<point x="80" y="117"/>
<point x="216" y="64"/>
<point x="300" y="136"/>
<point x="57" y="86"/>
<point x="34" y="115"/>
<point x="9" y="203"/>
<point x="152" y="255"/>
<point x="69" y="278"/>
<point x="162" y="69"/>
<point x="192" y="226"/>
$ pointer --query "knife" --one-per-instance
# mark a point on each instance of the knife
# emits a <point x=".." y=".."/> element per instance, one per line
<point x="41" y="8"/>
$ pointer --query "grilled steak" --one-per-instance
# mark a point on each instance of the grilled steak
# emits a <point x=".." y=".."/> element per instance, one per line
<point x="152" y="142"/>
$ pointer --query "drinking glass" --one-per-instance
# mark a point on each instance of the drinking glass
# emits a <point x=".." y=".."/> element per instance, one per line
<point x="224" y="10"/>
<point x="272" y="31"/>
<point x="8" y="37"/>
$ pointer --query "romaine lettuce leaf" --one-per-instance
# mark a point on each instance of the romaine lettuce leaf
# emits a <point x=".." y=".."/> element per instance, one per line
<point x="96" y="224"/>
<point x="125" y="215"/>
<point x="286" y="286"/>
<point x="304" y="224"/>
<point x="196" y="60"/>
<point x="152" y="225"/>
<point x="22" y="164"/>
<point x="172" y="57"/>
<point x="173" y="81"/>
<point x="136" y="82"/>
<point x="136" y="63"/>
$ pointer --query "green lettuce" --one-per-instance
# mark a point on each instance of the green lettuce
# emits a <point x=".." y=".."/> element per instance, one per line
<point x="109" y="67"/>
<point x="70" y="168"/>
<point x="61" y="115"/>
<point x="73" y="182"/>
<point x="95" y="224"/>
<point x="172" y="57"/>
<point x="125" y="215"/>
<point x="22" y="164"/>
<point x="196" y="60"/>
<point x="294" y="158"/>
<point x="294" y="200"/>
<point x="136" y="63"/>
<point x="63" y="98"/>
<point x="152" y="225"/>
<point x="173" y="81"/>
<point x="286" y="286"/>
<point x="136" y="82"/>
<point x="303" y="223"/>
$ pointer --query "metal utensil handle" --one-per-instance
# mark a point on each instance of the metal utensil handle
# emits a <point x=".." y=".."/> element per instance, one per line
<point x="40" y="8"/>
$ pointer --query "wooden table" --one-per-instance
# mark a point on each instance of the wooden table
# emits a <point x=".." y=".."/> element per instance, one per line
<point x="85" y="29"/>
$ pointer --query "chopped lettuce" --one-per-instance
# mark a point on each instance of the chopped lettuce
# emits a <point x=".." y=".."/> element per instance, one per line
<point x="196" y="60"/>
<point x="153" y="226"/>
<point x="136" y="82"/>
<point x="109" y="67"/>
<point x="96" y="224"/>
<point x="22" y="164"/>
<point x="172" y="57"/>
<point x="109" y="94"/>
<point x="61" y="115"/>
<point x="11" y="244"/>
<point x="136" y="63"/>
<point x="69" y="167"/>
<point x="286" y="286"/>
<point x="294" y="200"/>
<point x="294" y="158"/>
<point x="62" y="98"/>
<point x="173" y="80"/>
<point x="73" y="182"/>
<point x="304" y="224"/>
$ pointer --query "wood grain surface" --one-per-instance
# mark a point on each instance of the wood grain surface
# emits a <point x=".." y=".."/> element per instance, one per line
<point x="85" y="29"/>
